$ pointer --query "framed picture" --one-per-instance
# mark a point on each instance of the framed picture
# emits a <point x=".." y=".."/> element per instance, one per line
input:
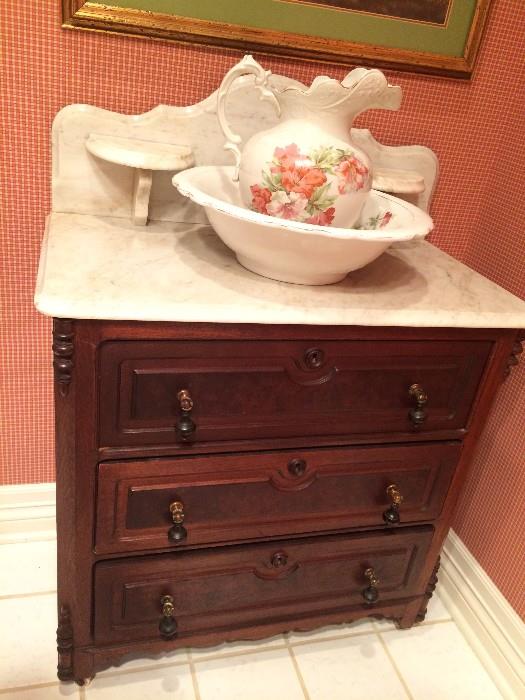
<point x="431" y="36"/>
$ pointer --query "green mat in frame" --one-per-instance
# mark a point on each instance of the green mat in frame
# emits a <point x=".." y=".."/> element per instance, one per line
<point x="432" y="36"/>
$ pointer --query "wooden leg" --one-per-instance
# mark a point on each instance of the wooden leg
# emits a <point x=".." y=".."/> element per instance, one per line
<point x="431" y="587"/>
<point x="64" y="645"/>
<point x="416" y="611"/>
<point x="83" y="682"/>
<point x="72" y="665"/>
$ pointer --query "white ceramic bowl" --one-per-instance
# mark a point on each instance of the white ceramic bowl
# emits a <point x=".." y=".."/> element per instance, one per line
<point x="290" y="251"/>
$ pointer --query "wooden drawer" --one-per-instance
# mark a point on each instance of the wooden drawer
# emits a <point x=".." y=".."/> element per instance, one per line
<point x="256" y="390"/>
<point x="229" y="498"/>
<point x="234" y="587"/>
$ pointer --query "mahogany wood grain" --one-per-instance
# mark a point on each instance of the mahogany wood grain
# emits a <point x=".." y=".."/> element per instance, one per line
<point x="267" y="389"/>
<point x="237" y="586"/>
<point x="494" y="376"/>
<point x="81" y="397"/>
<point x="98" y="657"/>
<point x="235" y="497"/>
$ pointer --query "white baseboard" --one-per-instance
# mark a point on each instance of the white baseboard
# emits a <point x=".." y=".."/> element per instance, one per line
<point x="492" y="627"/>
<point x="27" y="513"/>
<point x="487" y="620"/>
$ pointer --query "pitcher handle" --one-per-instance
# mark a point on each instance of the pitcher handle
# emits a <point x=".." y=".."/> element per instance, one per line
<point x="246" y="66"/>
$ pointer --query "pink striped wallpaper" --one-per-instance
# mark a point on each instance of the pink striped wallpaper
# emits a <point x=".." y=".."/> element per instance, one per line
<point x="472" y="126"/>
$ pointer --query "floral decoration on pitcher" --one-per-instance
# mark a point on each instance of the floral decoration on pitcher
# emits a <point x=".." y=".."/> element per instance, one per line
<point x="297" y="185"/>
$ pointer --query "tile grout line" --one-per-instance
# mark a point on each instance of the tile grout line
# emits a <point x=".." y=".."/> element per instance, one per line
<point x="394" y="666"/>
<point x="280" y="647"/>
<point x="231" y="654"/>
<point x="194" y="662"/>
<point x="33" y="686"/>
<point x="434" y="622"/>
<point x="298" y="673"/>
<point x="194" y="679"/>
<point x="16" y="596"/>
<point x="426" y="623"/>
<point x="119" y="671"/>
<point x="332" y="638"/>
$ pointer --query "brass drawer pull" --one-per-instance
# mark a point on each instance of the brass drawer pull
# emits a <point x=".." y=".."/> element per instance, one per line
<point x="185" y="426"/>
<point x="417" y="414"/>
<point x="370" y="593"/>
<point x="391" y="514"/>
<point x="178" y="532"/>
<point x="167" y="624"/>
<point x="297" y="467"/>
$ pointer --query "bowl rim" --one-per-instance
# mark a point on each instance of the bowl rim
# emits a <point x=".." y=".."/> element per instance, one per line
<point x="422" y="223"/>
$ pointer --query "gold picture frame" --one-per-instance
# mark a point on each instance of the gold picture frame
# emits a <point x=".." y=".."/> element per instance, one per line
<point x="215" y="30"/>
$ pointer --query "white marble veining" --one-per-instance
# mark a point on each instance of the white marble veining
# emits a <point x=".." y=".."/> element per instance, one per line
<point x="84" y="183"/>
<point x="145" y="156"/>
<point x="140" y="153"/>
<point x="106" y="268"/>
<point x="398" y="181"/>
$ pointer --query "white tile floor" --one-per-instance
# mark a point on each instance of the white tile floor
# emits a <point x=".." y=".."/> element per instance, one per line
<point x="363" y="661"/>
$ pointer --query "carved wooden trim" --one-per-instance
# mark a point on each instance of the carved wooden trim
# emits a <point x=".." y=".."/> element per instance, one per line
<point x="517" y="349"/>
<point x="63" y="351"/>
<point x="65" y="645"/>
<point x="431" y="587"/>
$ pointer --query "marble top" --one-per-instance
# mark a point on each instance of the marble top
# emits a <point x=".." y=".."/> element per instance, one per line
<point x="107" y="268"/>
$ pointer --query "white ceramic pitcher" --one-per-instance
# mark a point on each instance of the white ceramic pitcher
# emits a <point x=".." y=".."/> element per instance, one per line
<point x="306" y="168"/>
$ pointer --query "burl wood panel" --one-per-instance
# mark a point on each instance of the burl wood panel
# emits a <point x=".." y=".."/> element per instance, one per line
<point x="273" y="389"/>
<point x="233" y="587"/>
<point x="86" y="645"/>
<point x="241" y="496"/>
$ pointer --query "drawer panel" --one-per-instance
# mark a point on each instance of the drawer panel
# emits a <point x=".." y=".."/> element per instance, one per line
<point x="247" y="390"/>
<point x="234" y="587"/>
<point x="229" y="498"/>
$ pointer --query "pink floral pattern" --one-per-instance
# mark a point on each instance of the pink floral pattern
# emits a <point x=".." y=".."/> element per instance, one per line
<point x="378" y="221"/>
<point x="352" y="174"/>
<point x="296" y="185"/>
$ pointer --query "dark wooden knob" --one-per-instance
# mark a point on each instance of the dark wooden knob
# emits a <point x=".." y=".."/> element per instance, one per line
<point x="178" y="532"/>
<point x="391" y="514"/>
<point x="314" y="358"/>
<point x="279" y="559"/>
<point x="370" y="593"/>
<point x="185" y="426"/>
<point x="297" y="467"/>
<point x="167" y="624"/>
<point x="418" y="395"/>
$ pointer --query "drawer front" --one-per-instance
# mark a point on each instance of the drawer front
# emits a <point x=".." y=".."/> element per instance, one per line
<point x="226" y="498"/>
<point x="247" y="390"/>
<point x="234" y="587"/>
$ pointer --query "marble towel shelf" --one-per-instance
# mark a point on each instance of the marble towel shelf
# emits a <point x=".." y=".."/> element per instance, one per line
<point x="91" y="146"/>
<point x="144" y="157"/>
<point x="398" y="182"/>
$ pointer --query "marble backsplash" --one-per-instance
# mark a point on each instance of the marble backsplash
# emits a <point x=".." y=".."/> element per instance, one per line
<point x="83" y="183"/>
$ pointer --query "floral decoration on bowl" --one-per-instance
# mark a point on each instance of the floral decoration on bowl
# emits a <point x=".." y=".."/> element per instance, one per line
<point x="376" y="222"/>
<point x="306" y="187"/>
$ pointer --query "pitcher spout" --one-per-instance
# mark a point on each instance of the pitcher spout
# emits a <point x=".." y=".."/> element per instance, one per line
<point x="326" y="98"/>
<point x="306" y="168"/>
<point x="371" y="89"/>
